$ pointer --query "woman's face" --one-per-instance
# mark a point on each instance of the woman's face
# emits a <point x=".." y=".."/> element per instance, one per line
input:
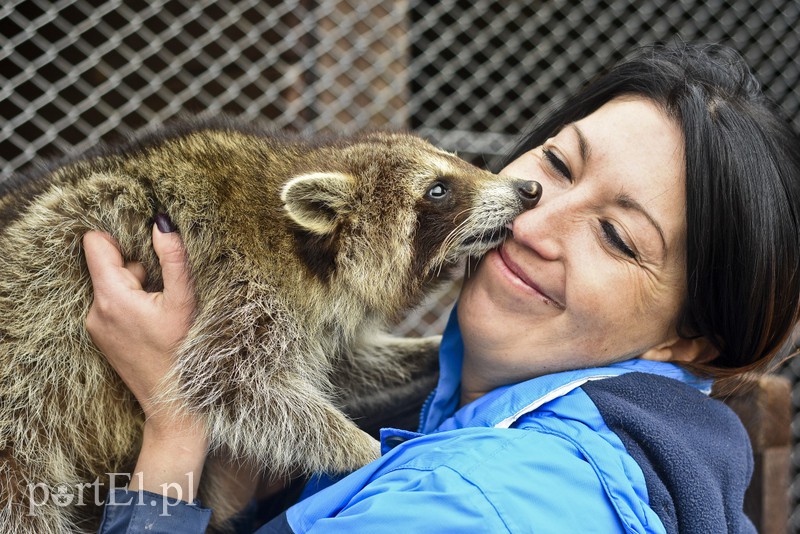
<point x="595" y="273"/>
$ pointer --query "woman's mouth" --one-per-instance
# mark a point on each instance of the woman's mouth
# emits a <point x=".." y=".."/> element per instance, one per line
<point x="518" y="277"/>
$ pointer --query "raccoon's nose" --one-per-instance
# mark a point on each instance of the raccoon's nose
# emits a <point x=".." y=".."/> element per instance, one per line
<point x="529" y="192"/>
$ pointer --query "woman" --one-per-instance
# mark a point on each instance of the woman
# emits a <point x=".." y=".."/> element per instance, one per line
<point x="575" y="370"/>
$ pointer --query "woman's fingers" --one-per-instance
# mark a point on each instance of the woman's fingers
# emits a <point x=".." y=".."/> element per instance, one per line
<point x="104" y="260"/>
<point x="174" y="269"/>
<point x="138" y="271"/>
<point x="138" y="332"/>
<point x="106" y="265"/>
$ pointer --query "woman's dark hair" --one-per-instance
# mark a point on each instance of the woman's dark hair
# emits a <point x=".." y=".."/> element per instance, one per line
<point x="742" y="194"/>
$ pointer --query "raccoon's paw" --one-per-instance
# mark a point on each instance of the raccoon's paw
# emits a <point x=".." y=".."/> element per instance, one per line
<point x="360" y="453"/>
<point x="348" y="452"/>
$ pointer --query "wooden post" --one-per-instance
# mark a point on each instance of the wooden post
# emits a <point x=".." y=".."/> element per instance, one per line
<point x="764" y="405"/>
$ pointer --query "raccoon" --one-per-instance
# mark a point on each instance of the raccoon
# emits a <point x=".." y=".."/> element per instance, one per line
<point x="300" y="251"/>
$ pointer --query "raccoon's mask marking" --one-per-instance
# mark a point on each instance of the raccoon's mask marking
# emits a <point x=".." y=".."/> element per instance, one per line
<point x="432" y="227"/>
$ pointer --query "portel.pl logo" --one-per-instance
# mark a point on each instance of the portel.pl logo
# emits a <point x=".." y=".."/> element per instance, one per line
<point x="78" y="494"/>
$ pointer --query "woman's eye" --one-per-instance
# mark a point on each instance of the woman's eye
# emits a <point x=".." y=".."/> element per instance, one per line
<point x="437" y="191"/>
<point x="612" y="237"/>
<point x="557" y="164"/>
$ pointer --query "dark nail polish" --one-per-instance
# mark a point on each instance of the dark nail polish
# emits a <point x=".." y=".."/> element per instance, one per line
<point x="164" y="223"/>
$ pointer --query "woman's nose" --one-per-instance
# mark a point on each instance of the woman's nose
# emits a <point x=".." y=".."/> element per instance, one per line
<point x="544" y="228"/>
<point x="529" y="193"/>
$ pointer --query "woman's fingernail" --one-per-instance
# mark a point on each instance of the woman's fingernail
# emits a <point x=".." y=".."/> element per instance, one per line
<point x="164" y="223"/>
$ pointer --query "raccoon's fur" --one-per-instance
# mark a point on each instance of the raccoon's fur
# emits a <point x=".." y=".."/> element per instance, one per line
<point x="299" y="252"/>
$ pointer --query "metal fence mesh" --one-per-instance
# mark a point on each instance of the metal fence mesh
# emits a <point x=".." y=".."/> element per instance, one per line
<point x="467" y="74"/>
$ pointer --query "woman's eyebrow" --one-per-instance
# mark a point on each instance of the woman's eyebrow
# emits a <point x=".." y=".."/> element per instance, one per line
<point x="583" y="145"/>
<point x="626" y="202"/>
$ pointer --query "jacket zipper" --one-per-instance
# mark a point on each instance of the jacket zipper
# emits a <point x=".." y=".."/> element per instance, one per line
<point x="423" y="414"/>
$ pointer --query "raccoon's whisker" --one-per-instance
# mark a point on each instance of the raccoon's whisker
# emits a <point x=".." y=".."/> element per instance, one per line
<point x="463" y="226"/>
<point x="454" y="236"/>
<point x="449" y="240"/>
<point x="467" y="210"/>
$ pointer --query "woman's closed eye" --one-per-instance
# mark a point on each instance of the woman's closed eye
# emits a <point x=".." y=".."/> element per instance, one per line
<point x="557" y="164"/>
<point x="612" y="237"/>
<point x="610" y="233"/>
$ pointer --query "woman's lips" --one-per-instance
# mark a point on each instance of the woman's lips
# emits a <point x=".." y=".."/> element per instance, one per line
<point x="513" y="270"/>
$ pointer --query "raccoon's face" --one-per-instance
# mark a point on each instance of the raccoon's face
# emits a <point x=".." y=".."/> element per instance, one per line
<point x="402" y="213"/>
<point x="462" y="211"/>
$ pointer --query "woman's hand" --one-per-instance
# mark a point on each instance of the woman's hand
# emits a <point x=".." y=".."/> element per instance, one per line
<point x="139" y="332"/>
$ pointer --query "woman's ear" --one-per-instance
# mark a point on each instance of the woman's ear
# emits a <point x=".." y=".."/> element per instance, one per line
<point x="697" y="350"/>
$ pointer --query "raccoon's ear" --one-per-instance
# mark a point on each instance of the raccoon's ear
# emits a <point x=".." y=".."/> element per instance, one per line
<point x="315" y="201"/>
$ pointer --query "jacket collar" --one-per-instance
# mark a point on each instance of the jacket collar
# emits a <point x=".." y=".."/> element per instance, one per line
<point x="502" y="406"/>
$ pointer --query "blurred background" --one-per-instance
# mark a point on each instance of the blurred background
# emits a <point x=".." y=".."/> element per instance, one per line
<point x="468" y="75"/>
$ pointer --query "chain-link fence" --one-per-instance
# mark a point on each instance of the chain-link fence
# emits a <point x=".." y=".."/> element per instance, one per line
<point x="469" y="75"/>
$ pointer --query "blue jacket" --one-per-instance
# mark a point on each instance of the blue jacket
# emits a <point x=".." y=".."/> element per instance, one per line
<point x="637" y="446"/>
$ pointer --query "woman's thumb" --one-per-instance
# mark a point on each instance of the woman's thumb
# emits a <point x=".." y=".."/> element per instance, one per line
<point x="172" y="257"/>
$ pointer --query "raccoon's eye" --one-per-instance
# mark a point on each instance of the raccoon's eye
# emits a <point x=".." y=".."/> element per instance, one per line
<point x="437" y="191"/>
